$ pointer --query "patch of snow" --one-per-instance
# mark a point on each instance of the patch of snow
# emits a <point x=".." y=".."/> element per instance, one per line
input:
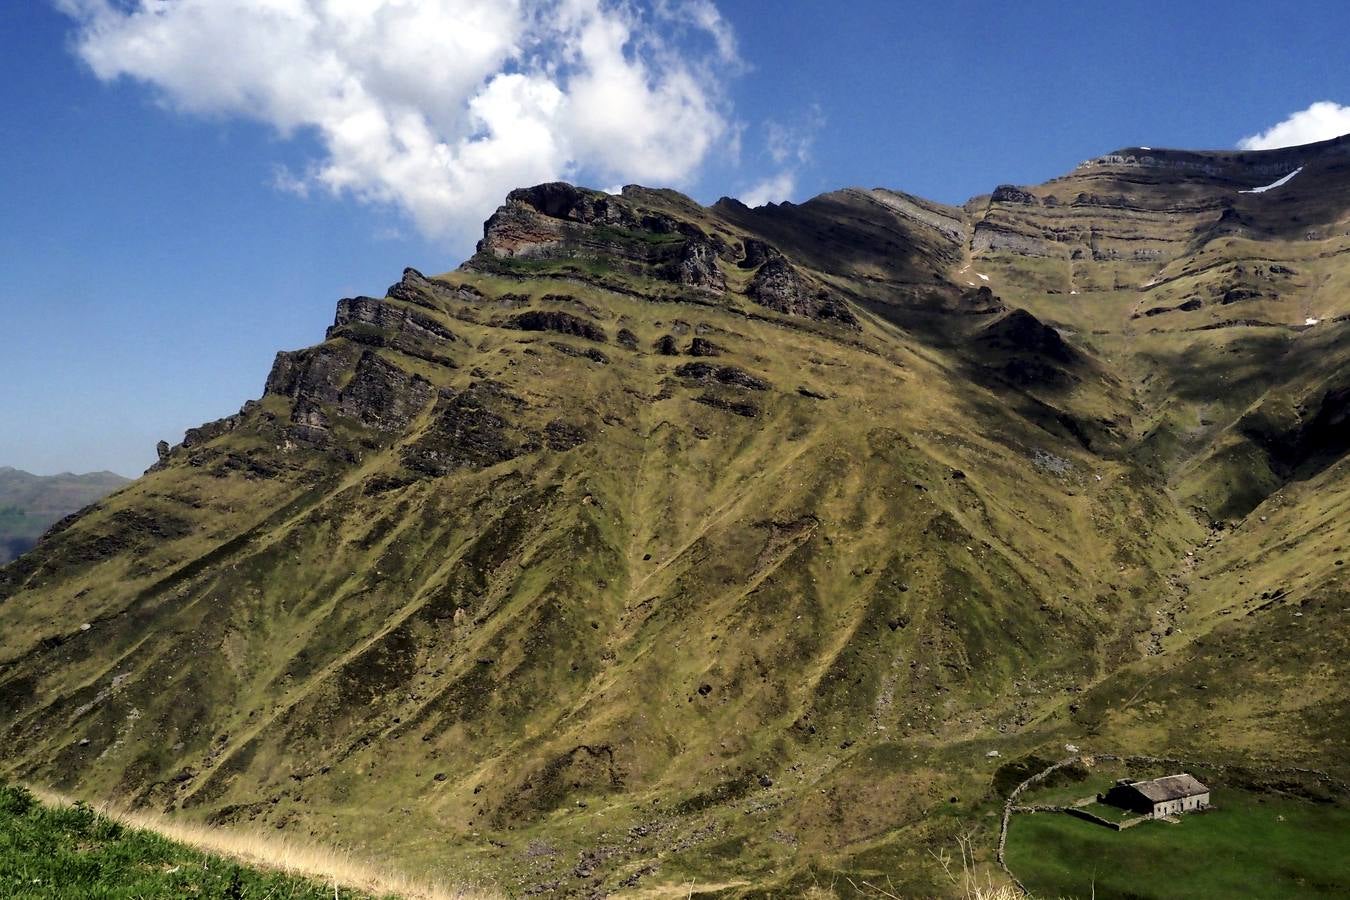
<point x="971" y="283"/>
<point x="1311" y="321"/>
<point x="1145" y="148"/>
<point x="993" y="754"/>
<point x="1073" y="292"/>
<point x="1073" y="748"/>
<point x="1273" y="184"/>
<point x="982" y="277"/>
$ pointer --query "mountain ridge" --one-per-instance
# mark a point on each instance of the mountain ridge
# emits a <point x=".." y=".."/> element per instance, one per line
<point x="663" y="543"/>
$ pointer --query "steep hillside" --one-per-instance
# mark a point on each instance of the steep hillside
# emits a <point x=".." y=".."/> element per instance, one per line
<point x="30" y="504"/>
<point x="661" y="544"/>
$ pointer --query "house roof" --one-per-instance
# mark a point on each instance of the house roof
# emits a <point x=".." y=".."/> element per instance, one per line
<point x="1172" y="787"/>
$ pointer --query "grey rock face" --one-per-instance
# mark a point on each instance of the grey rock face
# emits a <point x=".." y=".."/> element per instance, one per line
<point x="195" y="437"/>
<point x="314" y="374"/>
<point x="378" y="394"/>
<point x="703" y="347"/>
<point x="1007" y="193"/>
<point x="535" y="221"/>
<point x="558" y="322"/>
<point x="698" y="267"/>
<point x="778" y="286"/>
<point x="731" y="376"/>
<point x="471" y="429"/>
<point x="382" y="315"/>
<point x="990" y="238"/>
<point x="309" y="425"/>
<point x="383" y="396"/>
<point x="378" y="323"/>
<point x="590" y="353"/>
<point x="559" y="222"/>
<point x="420" y="290"/>
<point x="756" y="252"/>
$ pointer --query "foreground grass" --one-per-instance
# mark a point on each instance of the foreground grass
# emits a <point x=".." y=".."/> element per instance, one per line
<point x="1251" y="846"/>
<point x="70" y="850"/>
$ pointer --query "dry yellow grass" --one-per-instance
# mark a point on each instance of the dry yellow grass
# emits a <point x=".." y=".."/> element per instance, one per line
<point x="967" y="881"/>
<point x="970" y="890"/>
<point x="265" y="850"/>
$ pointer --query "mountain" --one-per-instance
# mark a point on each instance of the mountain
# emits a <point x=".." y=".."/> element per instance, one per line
<point x="670" y="547"/>
<point x="30" y="504"/>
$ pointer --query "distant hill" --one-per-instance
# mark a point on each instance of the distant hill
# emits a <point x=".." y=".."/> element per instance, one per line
<point x="30" y="504"/>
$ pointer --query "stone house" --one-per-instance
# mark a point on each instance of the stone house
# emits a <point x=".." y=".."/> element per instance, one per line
<point x="1168" y="796"/>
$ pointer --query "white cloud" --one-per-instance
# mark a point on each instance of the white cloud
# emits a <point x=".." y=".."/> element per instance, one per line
<point x="438" y="107"/>
<point x="774" y="189"/>
<point x="792" y="143"/>
<point x="789" y="148"/>
<point x="703" y="15"/>
<point x="1321" y="121"/>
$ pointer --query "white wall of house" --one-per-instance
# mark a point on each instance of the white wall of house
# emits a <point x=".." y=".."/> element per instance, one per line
<point x="1184" y="805"/>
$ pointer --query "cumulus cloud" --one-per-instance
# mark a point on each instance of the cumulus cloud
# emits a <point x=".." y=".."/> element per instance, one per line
<point x="438" y="107"/>
<point x="1321" y="121"/>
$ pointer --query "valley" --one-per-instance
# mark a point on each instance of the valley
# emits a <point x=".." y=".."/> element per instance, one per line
<point x="30" y="504"/>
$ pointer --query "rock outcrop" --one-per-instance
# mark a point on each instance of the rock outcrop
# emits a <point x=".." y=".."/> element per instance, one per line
<point x="557" y="322"/>
<point x="471" y="429"/>
<point x="732" y="376"/>
<point x="780" y="287"/>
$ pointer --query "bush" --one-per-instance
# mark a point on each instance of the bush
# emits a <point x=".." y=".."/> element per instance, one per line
<point x="78" y="819"/>
<point x="1011" y="774"/>
<point x="15" y="800"/>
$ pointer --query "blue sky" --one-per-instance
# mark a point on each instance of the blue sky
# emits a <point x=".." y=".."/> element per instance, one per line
<point x="179" y="207"/>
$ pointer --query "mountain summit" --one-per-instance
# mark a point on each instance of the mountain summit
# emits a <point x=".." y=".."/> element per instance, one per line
<point x="662" y="543"/>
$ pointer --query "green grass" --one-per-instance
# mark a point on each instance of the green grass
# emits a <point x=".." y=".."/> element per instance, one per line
<point x="1067" y="785"/>
<point x="1110" y="813"/>
<point x="73" y="851"/>
<point x="1252" y="845"/>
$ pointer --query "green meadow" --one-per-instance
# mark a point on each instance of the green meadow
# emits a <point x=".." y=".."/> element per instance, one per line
<point x="1250" y="845"/>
